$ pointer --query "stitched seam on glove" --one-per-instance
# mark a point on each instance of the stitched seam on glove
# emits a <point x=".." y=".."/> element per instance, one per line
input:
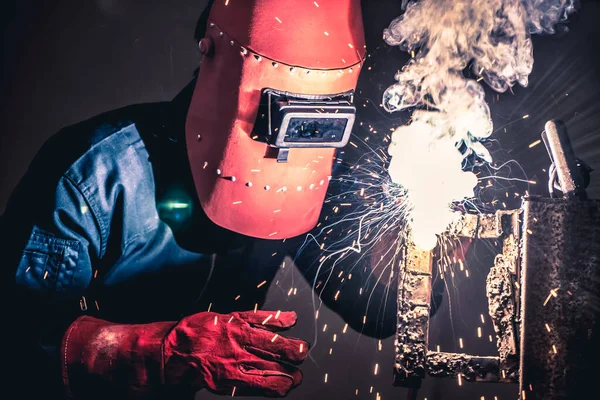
<point x="163" y="361"/>
<point x="65" y="363"/>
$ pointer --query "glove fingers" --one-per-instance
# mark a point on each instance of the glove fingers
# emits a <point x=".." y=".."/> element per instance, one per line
<point x="270" y="320"/>
<point x="271" y="345"/>
<point x="268" y="378"/>
<point x="268" y="368"/>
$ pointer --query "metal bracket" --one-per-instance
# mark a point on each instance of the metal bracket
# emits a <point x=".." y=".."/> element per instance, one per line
<point x="282" y="155"/>
<point x="413" y="359"/>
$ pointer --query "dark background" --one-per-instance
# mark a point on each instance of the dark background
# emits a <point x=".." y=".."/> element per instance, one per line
<point x="65" y="61"/>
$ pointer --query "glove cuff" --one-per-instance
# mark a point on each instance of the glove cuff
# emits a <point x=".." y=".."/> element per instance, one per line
<point x="101" y="359"/>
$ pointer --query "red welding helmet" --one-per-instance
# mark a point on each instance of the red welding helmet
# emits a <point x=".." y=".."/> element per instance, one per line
<point x="273" y="100"/>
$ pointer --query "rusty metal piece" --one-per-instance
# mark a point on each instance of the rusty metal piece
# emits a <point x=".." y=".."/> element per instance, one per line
<point x="511" y="238"/>
<point x="414" y="300"/>
<point x="502" y="307"/>
<point x="471" y="368"/>
<point x="489" y="226"/>
<point x="478" y="226"/>
<point x="560" y="291"/>
<point x="464" y="225"/>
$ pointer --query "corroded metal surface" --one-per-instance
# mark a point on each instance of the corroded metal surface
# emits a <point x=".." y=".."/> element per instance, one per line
<point x="480" y="226"/>
<point x="489" y="226"/>
<point x="464" y="225"/>
<point x="503" y="291"/>
<point x="501" y="306"/>
<point x="414" y="299"/>
<point x="561" y="287"/>
<point x="470" y="368"/>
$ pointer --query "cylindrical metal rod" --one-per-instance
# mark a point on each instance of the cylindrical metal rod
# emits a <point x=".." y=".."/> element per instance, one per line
<point x="558" y="144"/>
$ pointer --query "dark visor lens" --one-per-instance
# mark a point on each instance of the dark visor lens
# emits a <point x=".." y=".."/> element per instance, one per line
<point x="315" y="130"/>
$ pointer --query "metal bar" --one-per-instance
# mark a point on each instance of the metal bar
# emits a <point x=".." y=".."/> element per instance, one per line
<point x="479" y="226"/>
<point x="471" y="368"/>
<point x="414" y="300"/>
<point x="560" y="299"/>
<point x="464" y="225"/>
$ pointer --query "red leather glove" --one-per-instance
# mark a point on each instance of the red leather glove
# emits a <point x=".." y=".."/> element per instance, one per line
<point x="239" y="353"/>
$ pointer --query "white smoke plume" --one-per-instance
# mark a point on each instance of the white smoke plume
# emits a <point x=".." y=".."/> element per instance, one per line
<point x="445" y="37"/>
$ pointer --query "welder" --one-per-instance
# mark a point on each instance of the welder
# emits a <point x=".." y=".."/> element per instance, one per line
<point x="136" y="243"/>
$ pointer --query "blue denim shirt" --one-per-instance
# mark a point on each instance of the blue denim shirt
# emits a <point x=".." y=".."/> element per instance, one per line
<point x="106" y="222"/>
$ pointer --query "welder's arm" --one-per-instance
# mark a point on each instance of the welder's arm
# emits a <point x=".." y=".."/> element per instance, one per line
<point x="52" y="238"/>
<point x="48" y="239"/>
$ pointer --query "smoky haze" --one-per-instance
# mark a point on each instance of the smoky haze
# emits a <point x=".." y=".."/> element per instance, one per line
<point x="455" y="45"/>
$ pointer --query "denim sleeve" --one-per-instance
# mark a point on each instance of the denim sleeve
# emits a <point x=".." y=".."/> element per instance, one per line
<point x="57" y="257"/>
<point x="49" y="241"/>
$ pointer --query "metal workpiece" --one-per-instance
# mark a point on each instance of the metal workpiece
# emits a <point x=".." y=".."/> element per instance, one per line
<point x="413" y="359"/>
<point x="464" y="225"/>
<point x="414" y="299"/>
<point x="501" y="306"/>
<point x="503" y="291"/>
<point x="482" y="226"/>
<point x="470" y="368"/>
<point x="502" y="284"/>
<point x="560" y="292"/>
<point x="489" y="226"/>
<point x="565" y="166"/>
<point x="511" y="239"/>
<point x="543" y="299"/>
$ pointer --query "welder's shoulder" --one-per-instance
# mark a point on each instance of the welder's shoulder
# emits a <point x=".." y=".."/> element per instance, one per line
<point x="106" y="147"/>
